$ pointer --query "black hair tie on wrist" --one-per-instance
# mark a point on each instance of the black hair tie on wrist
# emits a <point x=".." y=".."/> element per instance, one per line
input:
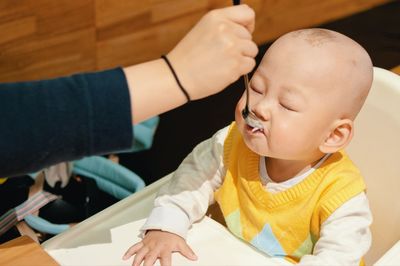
<point x="176" y="77"/>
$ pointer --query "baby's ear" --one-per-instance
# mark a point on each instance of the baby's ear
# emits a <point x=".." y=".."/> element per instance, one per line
<point x="339" y="136"/>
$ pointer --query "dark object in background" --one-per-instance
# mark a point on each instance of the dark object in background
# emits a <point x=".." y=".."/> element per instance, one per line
<point x="79" y="200"/>
<point x="13" y="192"/>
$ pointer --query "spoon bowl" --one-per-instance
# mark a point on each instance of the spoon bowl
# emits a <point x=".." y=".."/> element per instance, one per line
<point x="250" y="118"/>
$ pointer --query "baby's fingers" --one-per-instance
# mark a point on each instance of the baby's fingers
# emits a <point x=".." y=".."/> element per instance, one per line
<point x="165" y="259"/>
<point x="140" y="255"/>
<point x="186" y="251"/>
<point x="150" y="258"/>
<point x="132" y="250"/>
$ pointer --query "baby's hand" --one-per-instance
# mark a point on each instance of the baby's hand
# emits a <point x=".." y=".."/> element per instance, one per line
<point x="158" y="245"/>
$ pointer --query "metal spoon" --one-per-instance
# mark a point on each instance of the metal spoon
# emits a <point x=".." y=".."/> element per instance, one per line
<point x="250" y="118"/>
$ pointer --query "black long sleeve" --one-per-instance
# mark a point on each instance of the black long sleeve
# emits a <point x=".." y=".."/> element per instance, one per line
<point x="63" y="119"/>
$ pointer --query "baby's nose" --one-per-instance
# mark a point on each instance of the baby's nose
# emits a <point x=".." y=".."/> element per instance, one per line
<point x="262" y="110"/>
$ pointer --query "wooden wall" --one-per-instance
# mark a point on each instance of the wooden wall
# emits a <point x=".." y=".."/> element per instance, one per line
<point x="48" y="38"/>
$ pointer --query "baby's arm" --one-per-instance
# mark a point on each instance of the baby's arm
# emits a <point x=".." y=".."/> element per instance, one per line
<point x="158" y="245"/>
<point x="186" y="198"/>
<point x="345" y="236"/>
<point x="183" y="201"/>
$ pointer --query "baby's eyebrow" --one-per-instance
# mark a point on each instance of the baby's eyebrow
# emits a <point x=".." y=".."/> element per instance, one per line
<point x="264" y="76"/>
<point x="293" y="92"/>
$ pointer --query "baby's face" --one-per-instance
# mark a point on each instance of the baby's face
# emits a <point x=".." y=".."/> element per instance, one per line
<point x="293" y="94"/>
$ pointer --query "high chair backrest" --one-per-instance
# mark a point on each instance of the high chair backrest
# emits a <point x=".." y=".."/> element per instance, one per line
<point x="375" y="150"/>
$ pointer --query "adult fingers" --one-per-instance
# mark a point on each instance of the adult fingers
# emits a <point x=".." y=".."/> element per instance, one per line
<point x="237" y="30"/>
<point x="248" y="48"/>
<point x="241" y="14"/>
<point x="247" y="64"/>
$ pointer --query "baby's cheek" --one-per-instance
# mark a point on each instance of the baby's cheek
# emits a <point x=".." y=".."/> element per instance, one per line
<point x="238" y="110"/>
<point x="241" y="103"/>
<point x="283" y="133"/>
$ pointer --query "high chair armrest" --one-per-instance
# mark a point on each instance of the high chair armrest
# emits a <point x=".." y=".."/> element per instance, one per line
<point x="391" y="257"/>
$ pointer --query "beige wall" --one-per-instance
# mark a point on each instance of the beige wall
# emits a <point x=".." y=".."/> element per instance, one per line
<point x="49" y="38"/>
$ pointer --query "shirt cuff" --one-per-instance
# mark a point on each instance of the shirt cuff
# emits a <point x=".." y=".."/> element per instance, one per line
<point x="110" y="111"/>
<point x="167" y="219"/>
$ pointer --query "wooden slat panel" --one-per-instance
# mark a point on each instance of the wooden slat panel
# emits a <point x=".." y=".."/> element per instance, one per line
<point x="163" y="10"/>
<point x="277" y="17"/>
<point x="16" y="29"/>
<point x="13" y="10"/>
<point x="119" y="28"/>
<point x="154" y="27"/>
<point x="144" y="44"/>
<point x="23" y="251"/>
<point x="46" y="38"/>
<point x="110" y="12"/>
<point x="53" y="38"/>
<point x="142" y="32"/>
<point x="49" y="57"/>
<point x="63" y="16"/>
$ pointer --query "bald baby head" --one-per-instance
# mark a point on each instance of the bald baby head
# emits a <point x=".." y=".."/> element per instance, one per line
<point x="337" y="67"/>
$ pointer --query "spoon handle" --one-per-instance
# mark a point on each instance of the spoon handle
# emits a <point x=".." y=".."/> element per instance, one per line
<point x="245" y="111"/>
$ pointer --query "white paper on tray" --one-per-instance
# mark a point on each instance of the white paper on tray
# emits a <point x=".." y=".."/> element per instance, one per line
<point x="212" y="243"/>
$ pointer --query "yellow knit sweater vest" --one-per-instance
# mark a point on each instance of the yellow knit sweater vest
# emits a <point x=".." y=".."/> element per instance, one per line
<point x="285" y="224"/>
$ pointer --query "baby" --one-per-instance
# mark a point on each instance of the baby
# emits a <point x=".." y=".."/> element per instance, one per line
<point x="286" y="187"/>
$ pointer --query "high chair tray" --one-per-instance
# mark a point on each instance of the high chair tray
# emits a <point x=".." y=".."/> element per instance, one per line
<point x="391" y="257"/>
<point x="103" y="238"/>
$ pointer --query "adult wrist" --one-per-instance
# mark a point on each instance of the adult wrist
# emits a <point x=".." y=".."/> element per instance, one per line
<point x="175" y="75"/>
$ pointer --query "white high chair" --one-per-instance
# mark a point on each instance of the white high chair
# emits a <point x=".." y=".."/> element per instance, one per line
<point x="375" y="150"/>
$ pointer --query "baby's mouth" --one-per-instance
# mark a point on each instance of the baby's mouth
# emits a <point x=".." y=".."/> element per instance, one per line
<point x="255" y="129"/>
<point x="254" y="125"/>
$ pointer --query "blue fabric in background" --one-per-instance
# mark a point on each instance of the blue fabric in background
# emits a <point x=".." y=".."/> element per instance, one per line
<point x="112" y="178"/>
<point x="144" y="134"/>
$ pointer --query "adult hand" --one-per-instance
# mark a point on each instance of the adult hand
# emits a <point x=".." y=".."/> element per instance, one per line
<point x="216" y="52"/>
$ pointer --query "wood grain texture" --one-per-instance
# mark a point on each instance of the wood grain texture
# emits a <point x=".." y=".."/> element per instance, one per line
<point x="47" y="38"/>
<point x="23" y="251"/>
<point x="18" y="28"/>
<point x="277" y="17"/>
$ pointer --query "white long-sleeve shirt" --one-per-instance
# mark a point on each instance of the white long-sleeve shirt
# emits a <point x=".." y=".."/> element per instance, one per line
<point x="344" y="237"/>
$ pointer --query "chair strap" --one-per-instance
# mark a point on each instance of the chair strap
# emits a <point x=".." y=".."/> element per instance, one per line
<point x="30" y="206"/>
